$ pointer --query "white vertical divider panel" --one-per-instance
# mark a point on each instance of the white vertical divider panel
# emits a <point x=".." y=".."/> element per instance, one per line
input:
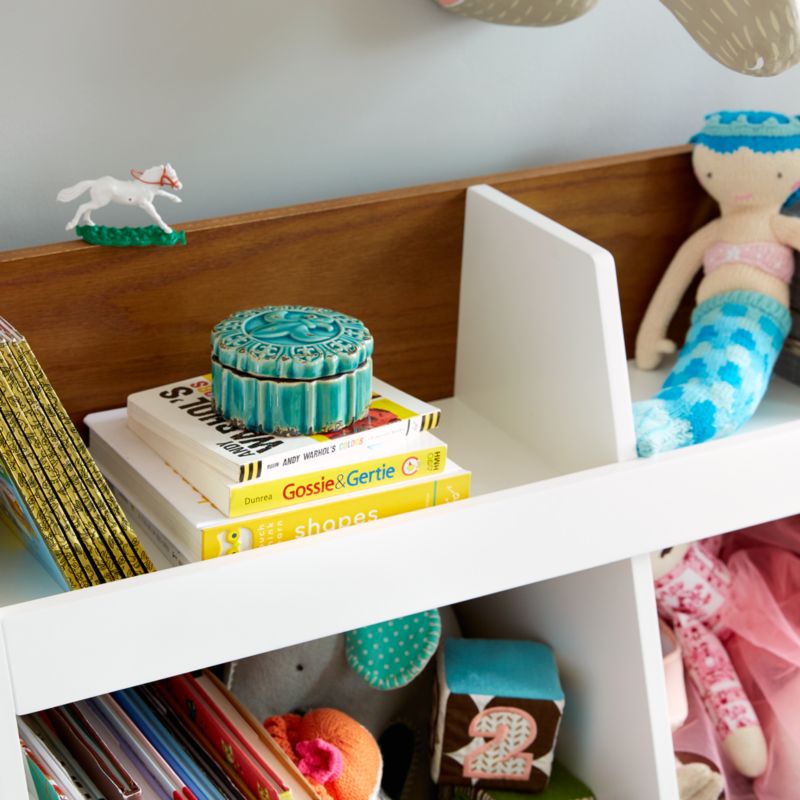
<point x="541" y="353"/>
<point x="540" y="345"/>
<point x="601" y="624"/>
<point x="12" y="769"/>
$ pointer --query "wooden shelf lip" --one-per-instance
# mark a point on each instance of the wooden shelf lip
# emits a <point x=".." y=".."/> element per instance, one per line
<point x="147" y="627"/>
<point x="504" y="180"/>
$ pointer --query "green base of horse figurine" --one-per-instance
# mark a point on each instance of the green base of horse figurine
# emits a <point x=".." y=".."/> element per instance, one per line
<point x="148" y="236"/>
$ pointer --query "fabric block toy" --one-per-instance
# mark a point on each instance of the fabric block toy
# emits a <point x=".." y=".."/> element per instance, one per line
<point x="497" y="713"/>
<point x="749" y="162"/>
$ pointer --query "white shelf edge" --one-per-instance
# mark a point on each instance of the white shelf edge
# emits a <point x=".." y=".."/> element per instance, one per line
<point x="499" y="461"/>
<point x="251" y="602"/>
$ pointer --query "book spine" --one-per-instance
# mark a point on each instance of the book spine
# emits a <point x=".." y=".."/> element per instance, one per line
<point x="321" y="484"/>
<point x="40" y="531"/>
<point x="29" y="417"/>
<point x="234" y="452"/>
<point x="145" y="526"/>
<point x="123" y="541"/>
<point x="91" y="752"/>
<point x="40" y="497"/>
<point x="325" y="447"/>
<point x="46" y="785"/>
<point x="259" y="778"/>
<point x="296" y="523"/>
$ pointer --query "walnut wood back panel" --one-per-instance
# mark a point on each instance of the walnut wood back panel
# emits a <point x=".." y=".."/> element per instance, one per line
<point x="105" y="322"/>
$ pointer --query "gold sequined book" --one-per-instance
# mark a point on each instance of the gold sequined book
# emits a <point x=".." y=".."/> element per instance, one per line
<point x="51" y="491"/>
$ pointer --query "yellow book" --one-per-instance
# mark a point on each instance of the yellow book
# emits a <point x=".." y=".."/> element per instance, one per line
<point x="416" y="459"/>
<point x="295" y="523"/>
<point x="197" y="529"/>
<point x="387" y="463"/>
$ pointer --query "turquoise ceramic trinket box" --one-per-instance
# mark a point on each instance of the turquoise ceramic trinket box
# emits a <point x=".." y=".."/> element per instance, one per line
<point x="291" y="370"/>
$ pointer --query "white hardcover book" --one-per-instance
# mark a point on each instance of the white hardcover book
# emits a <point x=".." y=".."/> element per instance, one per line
<point x="196" y="529"/>
<point x="387" y="461"/>
<point x="164" y="550"/>
<point x="183" y="414"/>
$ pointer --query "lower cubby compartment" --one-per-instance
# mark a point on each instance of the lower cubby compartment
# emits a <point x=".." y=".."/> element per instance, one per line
<point x="602" y="627"/>
<point x="730" y="612"/>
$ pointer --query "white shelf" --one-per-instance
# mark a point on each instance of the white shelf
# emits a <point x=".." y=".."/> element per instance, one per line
<point x="542" y="418"/>
<point x="752" y="472"/>
<point x="498" y="461"/>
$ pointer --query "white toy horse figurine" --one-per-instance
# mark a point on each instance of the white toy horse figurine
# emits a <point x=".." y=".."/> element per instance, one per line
<point x="141" y="191"/>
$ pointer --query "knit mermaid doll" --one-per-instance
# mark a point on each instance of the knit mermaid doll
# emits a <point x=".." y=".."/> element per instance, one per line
<point x="749" y="162"/>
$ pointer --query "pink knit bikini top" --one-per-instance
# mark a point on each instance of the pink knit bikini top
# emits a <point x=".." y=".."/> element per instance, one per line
<point x="771" y="257"/>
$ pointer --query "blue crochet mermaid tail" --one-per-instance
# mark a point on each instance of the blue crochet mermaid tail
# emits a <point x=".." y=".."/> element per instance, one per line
<point x="720" y="376"/>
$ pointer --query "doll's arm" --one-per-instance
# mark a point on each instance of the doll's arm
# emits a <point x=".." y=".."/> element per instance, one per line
<point x="652" y="342"/>
<point x="786" y="230"/>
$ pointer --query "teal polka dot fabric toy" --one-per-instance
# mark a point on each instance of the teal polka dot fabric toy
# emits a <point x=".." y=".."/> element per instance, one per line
<point x="749" y="162"/>
<point x="391" y="654"/>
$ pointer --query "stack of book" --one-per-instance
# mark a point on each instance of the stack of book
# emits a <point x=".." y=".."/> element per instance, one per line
<point x="51" y="491"/>
<point x="202" y="487"/>
<point x="183" y="738"/>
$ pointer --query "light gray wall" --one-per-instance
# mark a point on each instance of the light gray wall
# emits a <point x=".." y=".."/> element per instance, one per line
<point x="268" y="103"/>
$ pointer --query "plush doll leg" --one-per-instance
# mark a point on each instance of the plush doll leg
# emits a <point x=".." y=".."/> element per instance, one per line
<point x="538" y="13"/>
<point x="723" y="695"/>
<point x="752" y="38"/>
<point x="720" y="376"/>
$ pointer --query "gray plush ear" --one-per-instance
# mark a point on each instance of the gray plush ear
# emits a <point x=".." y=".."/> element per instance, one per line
<point x="392" y="653"/>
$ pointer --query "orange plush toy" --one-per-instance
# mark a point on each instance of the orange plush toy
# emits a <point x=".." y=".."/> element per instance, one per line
<point x="338" y="756"/>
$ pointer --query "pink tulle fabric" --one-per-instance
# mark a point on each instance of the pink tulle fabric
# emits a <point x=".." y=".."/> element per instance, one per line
<point x="763" y="613"/>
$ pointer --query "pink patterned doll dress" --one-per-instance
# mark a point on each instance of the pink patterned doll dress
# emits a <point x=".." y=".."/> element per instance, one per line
<point x="692" y="597"/>
<point x="739" y="624"/>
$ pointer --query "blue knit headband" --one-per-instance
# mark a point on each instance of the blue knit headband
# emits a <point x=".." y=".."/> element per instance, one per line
<point x="760" y="131"/>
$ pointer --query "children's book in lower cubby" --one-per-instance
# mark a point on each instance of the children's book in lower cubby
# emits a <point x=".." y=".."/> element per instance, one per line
<point x="406" y="709"/>
<point x="729" y="609"/>
<point x="184" y="737"/>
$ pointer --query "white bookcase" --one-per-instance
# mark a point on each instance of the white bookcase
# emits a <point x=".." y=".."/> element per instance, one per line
<point x="552" y="545"/>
